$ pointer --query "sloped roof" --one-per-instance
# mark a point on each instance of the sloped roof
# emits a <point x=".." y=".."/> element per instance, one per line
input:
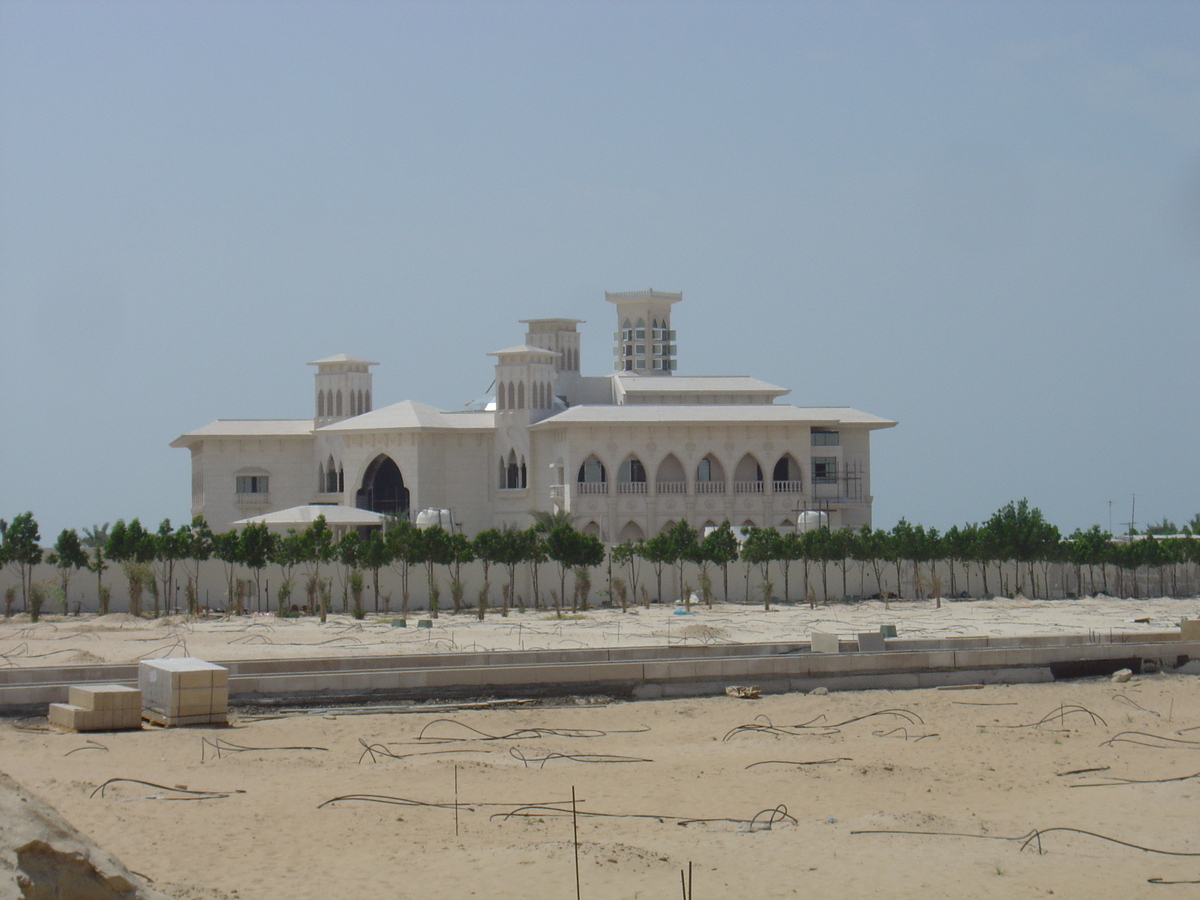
<point x="699" y="384"/>
<point x="303" y="516"/>
<point x="344" y="358"/>
<point x="411" y="414"/>
<point x="525" y="348"/>
<point x="234" y="428"/>
<point x="713" y="415"/>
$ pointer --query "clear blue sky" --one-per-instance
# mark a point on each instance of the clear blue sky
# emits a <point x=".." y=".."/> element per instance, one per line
<point x="982" y="220"/>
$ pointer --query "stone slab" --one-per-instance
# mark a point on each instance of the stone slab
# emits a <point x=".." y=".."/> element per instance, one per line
<point x="871" y="642"/>
<point x="823" y="642"/>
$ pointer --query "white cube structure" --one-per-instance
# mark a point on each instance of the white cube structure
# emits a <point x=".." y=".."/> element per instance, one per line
<point x="183" y="691"/>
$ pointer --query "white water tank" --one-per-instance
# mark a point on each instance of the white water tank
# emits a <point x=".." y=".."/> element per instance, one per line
<point x="431" y="516"/>
<point x="811" y="520"/>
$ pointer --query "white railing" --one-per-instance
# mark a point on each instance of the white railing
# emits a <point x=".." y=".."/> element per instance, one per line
<point x="631" y="487"/>
<point x="591" y="487"/>
<point x="253" y="500"/>
<point x="747" y="487"/>
<point x="710" y="487"/>
<point x="789" y="487"/>
<point x="558" y="492"/>
<point x="670" y="487"/>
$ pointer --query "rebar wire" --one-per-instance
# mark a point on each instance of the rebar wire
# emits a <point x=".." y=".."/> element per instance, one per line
<point x="1061" y="713"/>
<point x="520" y="734"/>
<point x="812" y="762"/>
<point x="219" y="746"/>
<point x="1161" y="881"/>
<point x="1037" y="836"/>
<point x="374" y="750"/>
<point x="90" y="745"/>
<point x="392" y="801"/>
<point x="166" y="650"/>
<point x="517" y="753"/>
<point x="766" y="727"/>
<point x="1137" y="705"/>
<point x="1083" y="771"/>
<point x="1183" y="744"/>
<point x="757" y="822"/>
<point x="196" y="795"/>
<point x="1117" y="782"/>
<point x="968" y="703"/>
<point x="903" y="733"/>
<point x="1031" y="837"/>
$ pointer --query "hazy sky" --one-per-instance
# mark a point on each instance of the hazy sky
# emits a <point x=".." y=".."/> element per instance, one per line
<point x="982" y="220"/>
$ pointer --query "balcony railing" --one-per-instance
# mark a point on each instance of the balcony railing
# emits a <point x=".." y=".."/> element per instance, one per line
<point x="631" y="487"/>
<point x="789" y="487"/>
<point x="591" y="487"/>
<point x="670" y="487"/>
<point x="747" y="487"/>
<point x="253" y="500"/>
<point x="710" y="487"/>
<point x="558" y="492"/>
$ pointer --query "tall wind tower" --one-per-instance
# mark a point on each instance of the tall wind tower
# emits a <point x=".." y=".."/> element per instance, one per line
<point x="644" y="343"/>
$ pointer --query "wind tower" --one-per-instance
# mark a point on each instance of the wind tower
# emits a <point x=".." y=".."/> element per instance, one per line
<point x="644" y="342"/>
<point x="343" y="387"/>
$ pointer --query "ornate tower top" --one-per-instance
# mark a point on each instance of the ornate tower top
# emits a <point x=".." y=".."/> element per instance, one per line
<point x="644" y="343"/>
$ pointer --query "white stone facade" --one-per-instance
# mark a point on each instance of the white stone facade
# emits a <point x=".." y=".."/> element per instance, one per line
<point x="627" y="454"/>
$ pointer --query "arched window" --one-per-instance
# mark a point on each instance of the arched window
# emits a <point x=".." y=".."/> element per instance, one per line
<point x="524" y="474"/>
<point x="513" y="479"/>
<point x="331" y="477"/>
<point x="592" y="472"/>
<point x="320" y="478"/>
<point x="521" y="395"/>
<point x="632" y="471"/>
<point x="361" y="409"/>
<point x="631" y="532"/>
<point x="512" y="395"/>
<point x="338" y="403"/>
<point x="639" y="330"/>
<point x="670" y="478"/>
<point x="626" y="330"/>
<point x="786" y="476"/>
<point x="341" y="479"/>
<point x="592" y="528"/>
<point x="368" y="401"/>
<point x="320" y="404"/>
<point x="747" y="477"/>
<point x="500" y="395"/>
<point x="502" y="480"/>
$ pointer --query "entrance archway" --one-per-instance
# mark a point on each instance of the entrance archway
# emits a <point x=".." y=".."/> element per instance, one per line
<point x="383" y="489"/>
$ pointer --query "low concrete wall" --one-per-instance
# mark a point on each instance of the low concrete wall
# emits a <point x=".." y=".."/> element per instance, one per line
<point x="630" y="671"/>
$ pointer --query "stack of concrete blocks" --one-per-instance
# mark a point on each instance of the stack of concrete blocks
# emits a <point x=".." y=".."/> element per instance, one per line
<point x="184" y="691"/>
<point x="99" y="707"/>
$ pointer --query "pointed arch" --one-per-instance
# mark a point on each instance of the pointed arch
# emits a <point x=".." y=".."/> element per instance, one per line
<point x="367" y="395"/>
<point x="382" y="489"/>
<point x="524" y="474"/>
<point x="786" y="477"/>
<point x="330" y="476"/>
<point x="592" y="528"/>
<point x="710" y="476"/>
<point x="361" y="409"/>
<point x="341" y="480"/>
<point x="670" y="477"/>
<point x="512" y="395"/>
<point x="632" y="531"/>
<point x="320" y="404"/>
<point x="338" y="401"/>
<point x="667" y="526"/>
<point x="512" y="478"/>
<point x="747" y="477"/>
<point x="502" y="476"/>
<point x="320" y="478"/>
<point x="749" y="523"/>
<point x="500" y="395"/>
<point x="592" y="477"/>
<point x="631" y="476"/>
<point x="520" y="395"/>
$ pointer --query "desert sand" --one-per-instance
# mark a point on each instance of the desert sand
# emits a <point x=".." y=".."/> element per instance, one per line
<point x="775" y="797"/>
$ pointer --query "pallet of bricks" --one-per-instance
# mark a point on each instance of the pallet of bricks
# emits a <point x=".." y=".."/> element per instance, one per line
<point x="99" y="707"/>
<point x="183" y="691"/>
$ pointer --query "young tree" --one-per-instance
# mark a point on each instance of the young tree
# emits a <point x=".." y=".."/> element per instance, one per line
<point x="317" y="549"/>
<point x="721" y="547"/>
<point x="257" y="547"/>
<point x="560" y="544"/>
<point x="346" y="551"/>
<point x="21" y="547"/>
<point x="287" y="553"/>
<point x="514" y="549"/>
<point x="628" y="553"/>
<point x="374" y="554"/>
<point x="132" y="547"/>
<point x="93" y="540"/>
<point x="686" y="542"/>
<point x="404" y="544"/>
<point x="660" y="552"/>
<point x="170" y="547"/>
<point x="462" y="551"/>
<point x="760" y="547"/>
<point x="488" y="548"/>
<point x="199" y="548"/>
<point x="69" y="557"/>
<point x="227" y="547"/>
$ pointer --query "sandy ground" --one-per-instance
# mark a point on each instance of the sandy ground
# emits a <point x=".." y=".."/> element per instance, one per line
<point x="660" y="785"/>
<point x="58" y="641"/>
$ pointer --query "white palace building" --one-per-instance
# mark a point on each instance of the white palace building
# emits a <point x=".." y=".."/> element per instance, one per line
<point x="626" y="454"/>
